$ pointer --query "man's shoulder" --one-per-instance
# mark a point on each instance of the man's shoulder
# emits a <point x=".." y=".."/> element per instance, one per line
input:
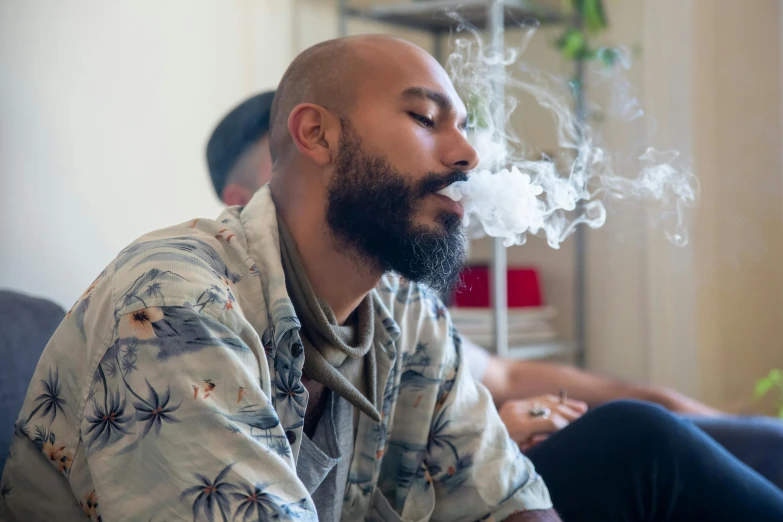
<point x="196" y="264"/>
<point x="190" y="264"/>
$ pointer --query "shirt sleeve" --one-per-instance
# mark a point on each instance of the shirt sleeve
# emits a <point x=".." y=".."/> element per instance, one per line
<point x="178" y="426"/>
<point x="476" y="469"/>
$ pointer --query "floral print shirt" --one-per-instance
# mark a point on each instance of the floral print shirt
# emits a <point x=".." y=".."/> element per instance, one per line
<point x="172" y="391"/>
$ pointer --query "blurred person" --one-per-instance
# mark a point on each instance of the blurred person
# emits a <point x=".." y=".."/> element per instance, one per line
<point x="756" y="441"/>
<point x="239" y="164"/>
<point x="238" y="154"/>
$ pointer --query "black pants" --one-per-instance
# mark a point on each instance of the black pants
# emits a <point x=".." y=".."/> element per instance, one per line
<point x="636" y="462"/>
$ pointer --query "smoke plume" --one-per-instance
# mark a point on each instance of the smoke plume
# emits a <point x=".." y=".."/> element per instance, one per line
<point x="511" y="194"/>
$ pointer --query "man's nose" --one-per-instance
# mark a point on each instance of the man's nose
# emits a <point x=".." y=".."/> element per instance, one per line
<point x="462" y="155"/>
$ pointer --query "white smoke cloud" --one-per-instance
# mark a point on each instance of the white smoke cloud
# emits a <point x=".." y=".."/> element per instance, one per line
<point x="511" y="195"/>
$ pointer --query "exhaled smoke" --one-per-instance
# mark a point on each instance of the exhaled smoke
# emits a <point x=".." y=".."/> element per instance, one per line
<point x="511" y="195"/>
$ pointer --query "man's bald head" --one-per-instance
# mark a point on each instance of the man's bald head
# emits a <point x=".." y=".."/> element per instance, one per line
<point x="315" y="76"/>
<point x="330" y="74"/>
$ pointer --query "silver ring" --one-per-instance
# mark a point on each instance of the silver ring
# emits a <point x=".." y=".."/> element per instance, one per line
<point x="539" y="410"/>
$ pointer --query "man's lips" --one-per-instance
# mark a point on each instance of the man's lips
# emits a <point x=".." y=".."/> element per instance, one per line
<point x="453" y="206"/>
<point x="436" y="183"/>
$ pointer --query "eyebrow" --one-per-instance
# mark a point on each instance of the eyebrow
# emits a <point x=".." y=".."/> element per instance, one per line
<point x="440" y="99"/>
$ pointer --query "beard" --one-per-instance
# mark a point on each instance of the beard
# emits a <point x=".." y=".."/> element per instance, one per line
<point x="371" y="207"/>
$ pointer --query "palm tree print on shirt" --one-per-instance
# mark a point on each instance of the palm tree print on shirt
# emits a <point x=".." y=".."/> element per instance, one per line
<point x="281" y="447"/>
<point x="450" y="472"/>
<point x="49" y="402"/>
<point x="211" y="494"/>
<point x="212" y="295"/>
<point x="290" y="392"/>
<point x="129" y="358"/>
<point x="155" y="409"/>
<point x="108" y="422"/>
<point x="146" y="285"/>
<point x="255" y="503"/>
<point x="439" y="437"/>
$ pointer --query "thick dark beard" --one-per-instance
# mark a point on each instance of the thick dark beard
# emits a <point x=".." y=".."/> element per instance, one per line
<point x="370" y="210"/>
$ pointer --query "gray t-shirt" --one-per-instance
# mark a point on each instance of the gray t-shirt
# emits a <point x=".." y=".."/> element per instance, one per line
<point x="476" y="358"/>
<point x="325" y="460"/>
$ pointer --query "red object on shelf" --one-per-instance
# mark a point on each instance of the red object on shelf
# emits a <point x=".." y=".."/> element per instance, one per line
<point x="524" y="288"/>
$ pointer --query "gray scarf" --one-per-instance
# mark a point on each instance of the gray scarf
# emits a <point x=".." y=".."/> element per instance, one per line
<point x="339" y="357"/>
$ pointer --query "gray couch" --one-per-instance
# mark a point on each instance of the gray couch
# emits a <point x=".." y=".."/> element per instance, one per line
<point x="26" y="324"/>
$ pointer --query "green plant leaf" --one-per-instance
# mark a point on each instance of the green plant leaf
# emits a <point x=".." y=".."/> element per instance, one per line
<point x="775" y="375"/>
<point x="763" y="385"/>
<point x="594" y="15"/>
<point x="780" y="412"/>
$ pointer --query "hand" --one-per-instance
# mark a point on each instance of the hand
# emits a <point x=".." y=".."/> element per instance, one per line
<point x="528" y="431"/>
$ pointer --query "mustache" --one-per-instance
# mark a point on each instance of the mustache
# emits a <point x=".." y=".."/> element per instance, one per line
<point x="434" y="181"/>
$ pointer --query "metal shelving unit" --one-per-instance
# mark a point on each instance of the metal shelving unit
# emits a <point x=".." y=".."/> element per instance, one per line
<point x="493" y="16"/>
<point x="430" y="15"/>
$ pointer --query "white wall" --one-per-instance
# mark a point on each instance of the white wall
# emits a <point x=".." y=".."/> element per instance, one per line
<point x="105" y="108"/>
<point x="739" y="227"/>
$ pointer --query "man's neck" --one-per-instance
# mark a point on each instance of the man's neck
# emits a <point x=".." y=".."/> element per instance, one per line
<point x="333" y="271"/>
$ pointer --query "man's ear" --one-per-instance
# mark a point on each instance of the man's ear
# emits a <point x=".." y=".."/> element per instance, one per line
<point x="310" y="126"/>
<point x="235" y="194"/>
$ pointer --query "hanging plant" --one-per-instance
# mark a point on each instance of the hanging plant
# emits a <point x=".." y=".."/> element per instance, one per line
<point x="587" y="18"/>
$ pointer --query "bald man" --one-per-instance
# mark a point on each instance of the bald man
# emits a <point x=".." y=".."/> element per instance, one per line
<point x="287" y="360"/>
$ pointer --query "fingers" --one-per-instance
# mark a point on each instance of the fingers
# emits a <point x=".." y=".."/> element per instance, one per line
<point x="538" y="430"/>
<point x="522" y="408"/>
<point x="521" y="426"/>
<point x="571" y="403"/>
<point x="579" y="406"/>
<point x="540" y="425"/>
<point x="569" y="409"/>
<point x="568" y="413"/>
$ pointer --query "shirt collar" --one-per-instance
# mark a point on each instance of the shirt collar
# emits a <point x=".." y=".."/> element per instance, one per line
<point x="259" y="222"/>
